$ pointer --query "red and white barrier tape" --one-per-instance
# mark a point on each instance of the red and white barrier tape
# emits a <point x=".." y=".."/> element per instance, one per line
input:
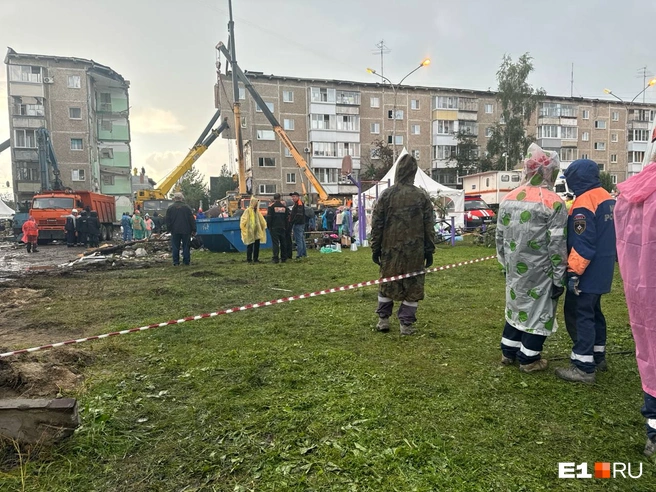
<point x="248" y="306"/>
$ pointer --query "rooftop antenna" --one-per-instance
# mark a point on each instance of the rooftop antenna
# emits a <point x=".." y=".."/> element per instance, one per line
<point x="382" y="50"/>
<point x="571" y="86"/>
<point x="642" y="71"/>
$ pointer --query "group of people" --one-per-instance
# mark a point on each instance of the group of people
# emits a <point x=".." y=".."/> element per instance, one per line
<point x="283" y="224"/>
<point x="338" y="220"/>
<point x="136" y="227"/>
<point x="547" y="249"/>
<point x="82" y="228"/>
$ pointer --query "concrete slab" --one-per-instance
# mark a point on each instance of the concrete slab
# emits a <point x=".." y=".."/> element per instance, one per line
<point x="38" y="421"/>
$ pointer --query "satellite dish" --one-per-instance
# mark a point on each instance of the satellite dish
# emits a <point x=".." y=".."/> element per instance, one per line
<point x="347" y="165"/>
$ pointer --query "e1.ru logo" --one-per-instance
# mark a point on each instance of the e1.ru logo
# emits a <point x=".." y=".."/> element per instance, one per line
<point x="601" y="470"/>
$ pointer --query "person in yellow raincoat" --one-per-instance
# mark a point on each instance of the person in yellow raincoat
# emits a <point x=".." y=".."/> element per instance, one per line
<point x="253" y="230"/>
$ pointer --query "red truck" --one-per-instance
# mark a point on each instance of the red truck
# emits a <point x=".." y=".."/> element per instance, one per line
<point x="51" y="208"/>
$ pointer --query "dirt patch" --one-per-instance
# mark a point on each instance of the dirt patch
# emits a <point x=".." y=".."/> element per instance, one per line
<point x="204" y="274"/>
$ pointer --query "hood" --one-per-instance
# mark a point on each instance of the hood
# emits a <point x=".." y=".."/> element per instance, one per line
<point x="541" y="167"/>
<point x="254" y="203"/>
<point x="638" y="188"/>
<point x="582" y="175"/>
<point x="93" y="213"/>
<point x="406" y="170"/>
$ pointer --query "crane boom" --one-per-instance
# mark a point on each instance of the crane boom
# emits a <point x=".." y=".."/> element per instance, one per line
<point x="47" y="160"/>
<point x="5" y="145"/>
<point x="277" y="128"/>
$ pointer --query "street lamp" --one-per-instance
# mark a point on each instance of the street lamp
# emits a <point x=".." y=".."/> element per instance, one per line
<point x="505" y="154"/>
<point x="424" y="63"/>
<point x="649" y="84"/>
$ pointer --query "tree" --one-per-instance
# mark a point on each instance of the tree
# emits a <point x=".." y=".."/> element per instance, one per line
<point x="221" y="185"/>
<point x="381" y="160"/>
<point x="466" y="156"/>
<point x="606" y="182"/>
<point x="518" y="101"/>
<point x="193" y="187"/>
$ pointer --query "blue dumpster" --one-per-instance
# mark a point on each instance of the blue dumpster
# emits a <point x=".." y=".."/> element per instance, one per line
<point x="223" y="235"/>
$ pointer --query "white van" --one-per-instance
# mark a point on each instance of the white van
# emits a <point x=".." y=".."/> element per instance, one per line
<point x="561" y="188"/>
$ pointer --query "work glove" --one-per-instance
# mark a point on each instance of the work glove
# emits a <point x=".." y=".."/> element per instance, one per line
<point x="573" y="284"/>
<point x="428" y="257"/>
<point x="556" y="291"/>
<point x="375" y="257"/>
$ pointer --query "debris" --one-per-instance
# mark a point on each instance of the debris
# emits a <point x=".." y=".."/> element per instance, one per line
<point x="38" y="421"/>
<point x="140" y="253"/>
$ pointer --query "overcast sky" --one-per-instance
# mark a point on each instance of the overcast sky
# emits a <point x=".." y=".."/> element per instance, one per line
<point x="166" y="48"/>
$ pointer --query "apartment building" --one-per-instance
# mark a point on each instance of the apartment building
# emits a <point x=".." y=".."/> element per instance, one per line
<point x="329" y="119"/>
<point x="85" y="107"/>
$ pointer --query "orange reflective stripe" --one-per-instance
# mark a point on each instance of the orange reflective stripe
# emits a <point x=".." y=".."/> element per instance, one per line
<point x="590" y="200"/>
<point x="576" y="263"/>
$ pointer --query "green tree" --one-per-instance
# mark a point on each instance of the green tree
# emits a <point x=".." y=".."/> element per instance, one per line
<point x="606" y="181"/>
<point x="381" y="160"/>
<point x="518" y="101"/>
<point x="195" y="191"/>
<point x="466" y="157"/>
<point x="222" y="184"/>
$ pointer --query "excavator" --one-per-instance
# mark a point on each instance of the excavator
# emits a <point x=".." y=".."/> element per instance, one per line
<point x="155" y="200"/>
<point x="324" y="199"/>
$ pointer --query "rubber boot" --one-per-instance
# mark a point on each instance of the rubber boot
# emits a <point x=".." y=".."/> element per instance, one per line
<point x="29" y="247"/>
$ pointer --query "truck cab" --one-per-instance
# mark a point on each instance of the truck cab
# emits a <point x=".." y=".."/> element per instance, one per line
<point x="477" y="212"/>
<point x="561" y="188"/>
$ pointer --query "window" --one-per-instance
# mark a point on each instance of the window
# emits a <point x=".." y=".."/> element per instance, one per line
<point x="266" y="161"/>
<point x="468" y="127"/>
<point x="600" y="145"/>
<point x="585" y="114"/>
<point x="568" y="110"/>
<point x="515" y="178"/>
<point x="322" y="95"/>
<point x="323" y="121"/>
<point x="613" y="137"/>
<point x="398" y="138"/>
<point x="613" y="158"/>
<point x="444" y="152"/>
<point x="636" y="156"/>
<point x="615" y="116"/>
<point x="468" y="104"/>
<point x="28" y="109"/>
<point x="327" y="175"/>
<point x="348" y="123"/>
<point x="348" y="148"/>
<point x="416" y="154"/>
<point x="243" y="122"/>
<point x="375" y="128"/>
<point x="106" y="153"/>
<point x="291" y="178"/>
<point x="75" y="113"/>
<point x="489" y="131"/>
<point x="613" y="178"/>
<point x="415" y="129"/>
<point x="24" y="73"/>
<point x="108" y="179"/>
<point x="348" y="97"/>
<point x="268" y="104"/>
<point x="288" y="124"/>
<point x="548" y="131"/>
<point x="569" y="133"/>
<point x="266" y="135"/>
<point x="105" y="101"/>
<point x="489" y="108"/>
<point x="600" y="124"/>
<point x="267" y="189"/>
<point x="74" y="82"/>
<point x="106" y="125"/>
<point x="444" y="127"/>
<point x="399" y="114"/>
<point x="643" y="115"/>
<point x="25" y="139"/>
<point x="374" y="102"/>
<point x="414" y="103"/>
<point x="374" y="153"/>
<point x="288" y="96"/>
<point x="324" y="149"/>
<point x="287" y="152"/>
<point x="27" y="171"/>
<point x="584" y="156"/>
<point x="77" y="175"/>
<point x="505" y="178"/>
<point x="446" y="102"/>
<point x="568" y="154"/>
<point x="601" y="167"/>
<point x="585" y="136"/>
<point x="639" y="136"/>
<point x="76" y="144"/>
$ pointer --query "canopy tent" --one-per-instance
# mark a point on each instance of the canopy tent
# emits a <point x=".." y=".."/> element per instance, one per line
<point x="5" y="211"/>
<point x="454" y="200"/>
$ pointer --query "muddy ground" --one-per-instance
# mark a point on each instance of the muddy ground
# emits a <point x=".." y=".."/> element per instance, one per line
<point x="15" y="260"/>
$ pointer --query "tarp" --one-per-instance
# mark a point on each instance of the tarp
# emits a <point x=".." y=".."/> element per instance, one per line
<point x="456" y="198"/>
<point x="651" y="146"/>
<point x="5" y="211"/>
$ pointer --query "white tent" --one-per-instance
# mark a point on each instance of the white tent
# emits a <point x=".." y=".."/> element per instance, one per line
<point x="455" y="199"/>
<point x="5" y="211"/>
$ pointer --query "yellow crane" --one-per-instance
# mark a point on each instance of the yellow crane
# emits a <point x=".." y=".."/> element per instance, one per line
<point x="156" y="200"/>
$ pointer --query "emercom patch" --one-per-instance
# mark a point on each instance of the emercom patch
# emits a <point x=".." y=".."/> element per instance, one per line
<point x="579" y="223"/>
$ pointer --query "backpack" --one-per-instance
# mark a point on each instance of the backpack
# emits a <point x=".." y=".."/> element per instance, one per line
<point x="330" y="215"/>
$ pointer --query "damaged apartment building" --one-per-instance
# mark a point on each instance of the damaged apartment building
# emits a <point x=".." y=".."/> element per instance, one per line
<point x="85" y="107"/>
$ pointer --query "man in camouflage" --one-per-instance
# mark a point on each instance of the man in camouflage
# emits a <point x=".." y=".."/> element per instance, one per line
<point x="532" y="248"/>
<point x="402" y="241"/>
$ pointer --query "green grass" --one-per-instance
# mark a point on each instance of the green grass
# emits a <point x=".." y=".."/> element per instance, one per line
<point x="306" y="396"/>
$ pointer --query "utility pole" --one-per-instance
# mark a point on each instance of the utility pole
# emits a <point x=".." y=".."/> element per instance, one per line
<point x="642" y="71"/>
<point x="571" y="86"/>
<point x="383" y="50"/>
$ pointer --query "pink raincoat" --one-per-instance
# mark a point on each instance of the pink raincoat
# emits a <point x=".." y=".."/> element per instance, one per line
<point x="635" y="226"/>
